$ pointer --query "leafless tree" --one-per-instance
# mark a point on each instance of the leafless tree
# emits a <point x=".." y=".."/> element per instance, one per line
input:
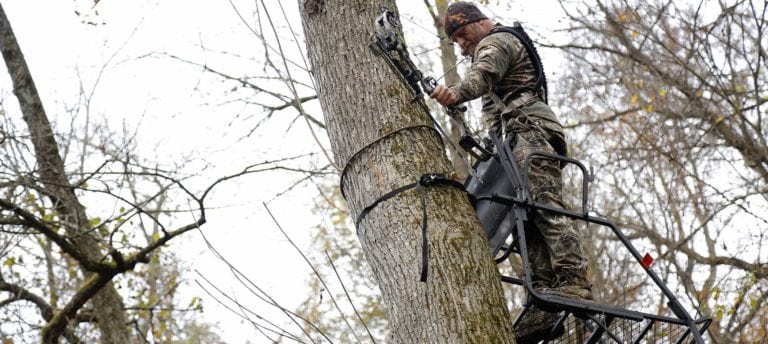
<point x="73" y="226"/>
<point x="671" y="97"/>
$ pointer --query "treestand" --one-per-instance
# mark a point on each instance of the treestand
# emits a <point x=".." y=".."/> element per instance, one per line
<point x="503" y="203"/>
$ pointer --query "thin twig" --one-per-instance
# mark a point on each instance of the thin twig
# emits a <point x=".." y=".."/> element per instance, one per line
<point x="258" y="327"/>
<point x="292" y="86"/>
<point x="330" y="261"/>
<point x="266" y="298"/>
<point x="312" y="266"/>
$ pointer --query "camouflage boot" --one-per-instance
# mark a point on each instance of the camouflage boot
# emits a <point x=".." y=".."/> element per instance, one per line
<point x="572" y="284"/>
<point x="537" y="325"/>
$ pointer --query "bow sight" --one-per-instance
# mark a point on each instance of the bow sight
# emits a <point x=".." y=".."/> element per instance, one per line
<point x="388" y="43"/>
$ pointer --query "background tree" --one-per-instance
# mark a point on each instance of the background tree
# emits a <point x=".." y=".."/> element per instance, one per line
<point x="84" y="224"/>
<point x="670" y="97"/>
<point x="81" y="244"/>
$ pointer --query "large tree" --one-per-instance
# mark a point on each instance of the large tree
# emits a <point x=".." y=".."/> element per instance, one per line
<point x="672" y="98"/>
<point x="337" y="242"/>
<point x="385" y="141"/>
<point x="72" y="229"/>
<point x="77" y="237"/>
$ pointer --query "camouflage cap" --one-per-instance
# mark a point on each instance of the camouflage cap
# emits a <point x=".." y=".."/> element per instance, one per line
<point x="459" y="14"/>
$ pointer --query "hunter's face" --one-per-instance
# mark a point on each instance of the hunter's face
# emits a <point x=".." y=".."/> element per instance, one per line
<point x="467" y="38"/>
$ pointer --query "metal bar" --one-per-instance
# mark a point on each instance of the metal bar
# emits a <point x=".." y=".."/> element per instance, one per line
<point x="684" y="336"/>
<point x="586" y="308"/>
<point x="560" y="322"/>
<point x="607" y="223"/>
<point x="522" y="245"/>
<point x="507" y="251"/>
<point x="522" y="314"/>
<point x="586" y="179"/>
<point x="602" y="328"/>
<point x="705" y="322"/>
<point x="704" y="325"/>
<point x="673" y="303"/>
<point x="507" y="160"/>
<point x="598" y="332"/>
<point x="512" y="280"/>
<point x="644" y="332"/>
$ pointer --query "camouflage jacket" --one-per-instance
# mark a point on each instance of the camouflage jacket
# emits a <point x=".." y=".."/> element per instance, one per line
<point x="500" y="63"/>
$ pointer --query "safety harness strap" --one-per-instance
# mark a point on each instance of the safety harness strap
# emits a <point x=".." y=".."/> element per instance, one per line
<point x="430" y="179"/>
<point x="541" y="78"/>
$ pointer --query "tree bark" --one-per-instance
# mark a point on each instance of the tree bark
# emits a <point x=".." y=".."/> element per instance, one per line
<point x="363" y="101"/>
<point x="108" y="307"/>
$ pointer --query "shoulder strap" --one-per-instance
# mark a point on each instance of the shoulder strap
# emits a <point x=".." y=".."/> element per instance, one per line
<point x="533" y="54"/>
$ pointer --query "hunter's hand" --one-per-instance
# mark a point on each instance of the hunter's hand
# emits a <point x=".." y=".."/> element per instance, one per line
<point x="444" y="95"/>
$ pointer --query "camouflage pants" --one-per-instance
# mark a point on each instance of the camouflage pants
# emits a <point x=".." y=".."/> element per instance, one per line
<point x="554" y="244"/>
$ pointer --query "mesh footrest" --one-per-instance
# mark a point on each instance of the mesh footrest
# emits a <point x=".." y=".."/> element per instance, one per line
<point x="623" y="331"/>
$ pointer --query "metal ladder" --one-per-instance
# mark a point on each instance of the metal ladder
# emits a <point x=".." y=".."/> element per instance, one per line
<point x="585" y="322"/>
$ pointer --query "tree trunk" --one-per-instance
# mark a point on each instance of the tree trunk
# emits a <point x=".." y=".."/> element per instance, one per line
<point x="363" y="101"/>
<point x="107" y="303"/>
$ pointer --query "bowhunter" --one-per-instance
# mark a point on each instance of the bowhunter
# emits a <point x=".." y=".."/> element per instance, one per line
<point x="503" y="73"/>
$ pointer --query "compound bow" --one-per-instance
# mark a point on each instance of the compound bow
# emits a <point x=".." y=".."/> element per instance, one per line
<point x="389" y="44"/>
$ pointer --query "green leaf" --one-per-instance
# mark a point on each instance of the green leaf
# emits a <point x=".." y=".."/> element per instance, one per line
<point x="193" y="301"/>
<point x="196" y="303"/>
<point x="10" y="261"/>
<point x="719" y="313"/>
<point x="716" y="293"/>
<point x="72" y="272"/>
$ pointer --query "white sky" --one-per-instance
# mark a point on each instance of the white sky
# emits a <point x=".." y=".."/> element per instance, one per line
<point x="179" y="111"/>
